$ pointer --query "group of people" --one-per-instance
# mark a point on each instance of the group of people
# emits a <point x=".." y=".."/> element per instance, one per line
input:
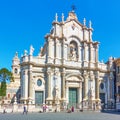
<point x="71" y="109"/>
<point x="44" y="108"/>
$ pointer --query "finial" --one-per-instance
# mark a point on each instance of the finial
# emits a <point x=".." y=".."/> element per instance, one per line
<point x="90" y="24"/>
<point x="16" y="54"/>
<point x="56" y="17"/>
<point x="25" y="52"/>
<point x="62" y="17"/>
<point x="84" y="22"/>
<point x="31" y="50"/>
<point x="73" y="8"/>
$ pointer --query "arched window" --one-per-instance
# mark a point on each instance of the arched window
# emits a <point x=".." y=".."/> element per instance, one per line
<point x="16" y="71"/>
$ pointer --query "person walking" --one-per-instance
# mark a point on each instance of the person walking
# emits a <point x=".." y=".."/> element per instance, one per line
<point x="24" y="110"/>
<point x="4" y="110"/>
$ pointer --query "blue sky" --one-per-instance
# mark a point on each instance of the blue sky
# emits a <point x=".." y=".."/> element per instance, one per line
<point x="26" y="22"/>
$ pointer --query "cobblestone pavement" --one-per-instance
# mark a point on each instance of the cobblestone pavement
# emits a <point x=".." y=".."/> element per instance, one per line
<point x="62" y="116"/>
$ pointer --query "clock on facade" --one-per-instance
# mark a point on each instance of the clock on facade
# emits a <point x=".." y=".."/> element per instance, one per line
<point x="39" y="82"/>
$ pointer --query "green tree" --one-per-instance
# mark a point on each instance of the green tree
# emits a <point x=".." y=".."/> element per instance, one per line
<point x="5" y="75"/>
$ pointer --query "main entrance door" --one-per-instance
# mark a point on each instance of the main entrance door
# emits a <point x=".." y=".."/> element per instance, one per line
<point x="38" y="97"/>
<point x="72" y="97"/>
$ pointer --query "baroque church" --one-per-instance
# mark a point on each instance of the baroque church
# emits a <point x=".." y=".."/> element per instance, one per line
<point x="67" y="72"/>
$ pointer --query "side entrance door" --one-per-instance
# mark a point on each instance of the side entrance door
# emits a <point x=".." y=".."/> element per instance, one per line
<point x="38" y="97"/>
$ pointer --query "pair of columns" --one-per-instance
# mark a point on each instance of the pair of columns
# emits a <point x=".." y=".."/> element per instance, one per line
<point x="27" y="90"/>
<point x="97" y="97"/>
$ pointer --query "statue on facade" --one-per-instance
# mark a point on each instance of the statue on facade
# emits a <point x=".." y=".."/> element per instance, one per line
<point x="57" y="94"/>
<point x="25" y="52"/>
<point x="91" y="93"/>
<point x="31" y="50"/>
<point x="74" y="55"/>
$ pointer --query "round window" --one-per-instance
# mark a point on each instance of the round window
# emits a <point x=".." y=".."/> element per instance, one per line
<point x="39" y="82"/>
<point x="102" y="86"/>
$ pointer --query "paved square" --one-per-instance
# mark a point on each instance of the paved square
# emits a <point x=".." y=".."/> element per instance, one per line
<point x="61" y="116"/>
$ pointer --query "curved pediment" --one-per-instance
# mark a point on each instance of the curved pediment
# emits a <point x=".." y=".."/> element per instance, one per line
<point x="74" y="77"/>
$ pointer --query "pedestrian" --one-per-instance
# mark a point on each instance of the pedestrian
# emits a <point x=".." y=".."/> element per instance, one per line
<point x="43" y="108"/>
<point x="24" y="110"/>
<point x="4" y="110"/>
<point x="72" y="109"/>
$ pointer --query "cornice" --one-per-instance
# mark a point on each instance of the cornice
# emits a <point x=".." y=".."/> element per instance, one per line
<point x="117" y="61"/>
<point x="54" y="37"/>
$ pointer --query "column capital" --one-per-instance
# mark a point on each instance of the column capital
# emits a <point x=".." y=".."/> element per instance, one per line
<point x="63" y="73"/>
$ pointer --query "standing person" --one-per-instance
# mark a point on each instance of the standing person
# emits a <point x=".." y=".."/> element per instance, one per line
<point x="72" y="109"/>
<point x="24" y="109"/>
<point x="4" y="110"/>
<point x="43" y="108"/>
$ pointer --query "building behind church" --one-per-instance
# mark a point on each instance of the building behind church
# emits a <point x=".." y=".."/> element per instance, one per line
<point x="67" y="72"/>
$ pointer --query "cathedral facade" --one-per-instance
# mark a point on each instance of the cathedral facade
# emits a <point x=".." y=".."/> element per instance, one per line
<point x="67" y="71"/>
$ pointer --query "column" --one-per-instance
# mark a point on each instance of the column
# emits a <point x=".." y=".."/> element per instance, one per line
<point x="48" y="47"/>
<point x="49" y="84"/>
<point x="85" y="86"/>
<point x="79" y="53"/>
<point x="80" y="95"/>
<point x="96" y="54"/>
<point x="84" y="51"/>
<point x="97" y="88"/>
<point x="63" y="85"/>
<point x="90" y="52"/>
<point x="67" y="92"/>
<point x="50" y="43"/>
<point x="56" y="48"/>
<point x="63" y="51"/>
<point x="30" y="87"/>
<point x="25" y="86"/>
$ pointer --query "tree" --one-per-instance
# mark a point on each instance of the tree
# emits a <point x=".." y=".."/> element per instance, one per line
<point x="5" y="75"/>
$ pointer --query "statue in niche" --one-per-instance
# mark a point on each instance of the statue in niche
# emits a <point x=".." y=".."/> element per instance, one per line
<point x="57" y="94"/>
<point x="91" y="93"/>
<point x="73" y="54"/>
<point x="73" y="50"/>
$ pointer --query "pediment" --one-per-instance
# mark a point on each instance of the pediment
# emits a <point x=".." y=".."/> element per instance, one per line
<point x="73" y="78"/>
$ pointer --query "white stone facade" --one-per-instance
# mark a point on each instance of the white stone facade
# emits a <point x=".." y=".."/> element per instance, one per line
<point x="67" y="71"/>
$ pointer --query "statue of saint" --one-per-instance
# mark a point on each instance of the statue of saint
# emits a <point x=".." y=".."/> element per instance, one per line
<point x="31" y="50"/>
<point x="74" y="55"/>
<point x="57" y="93"/>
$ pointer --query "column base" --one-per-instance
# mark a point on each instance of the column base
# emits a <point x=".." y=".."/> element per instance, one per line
<point x="49" y="101"/>
<point x="63" y="103"/>
<point x="30" y="100"/>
